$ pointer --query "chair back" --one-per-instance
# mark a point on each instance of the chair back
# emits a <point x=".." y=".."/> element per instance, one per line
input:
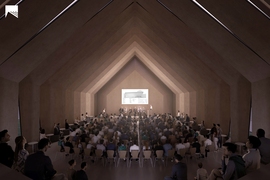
<point x="98" y="152"/>
<point x="202" y="149"/>
<point x="83" y="145"/>
<point x="76" y="151"/>
<point x="110" y="153"/>
<point x="192" y="151"/>
<point x="159" y="154"/>
<point x="134" y="154"/>
<point x="147" y="154"/>
<point x="182" y="152"/>
<point x="122" y="154"/>
<point x="171" y="153"/>
<point x="87" y="152"/>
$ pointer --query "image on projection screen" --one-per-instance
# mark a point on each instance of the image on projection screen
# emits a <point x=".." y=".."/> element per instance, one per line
<point x="134" y="96"/>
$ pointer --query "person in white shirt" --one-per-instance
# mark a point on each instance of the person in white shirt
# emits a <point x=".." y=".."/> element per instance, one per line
<point x="95" y="138"/>
<point x="186" y="144"/>
<point x="134" y="147"/>
<point x="101" y="146"/>
<point x="179" y="145"/>
<point x="73" y="133"/>
<point x="207" y="143"/>
<point x="252" y="158"/>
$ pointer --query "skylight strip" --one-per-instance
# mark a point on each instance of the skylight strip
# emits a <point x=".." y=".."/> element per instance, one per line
<point x="107" y="4"/>
<point x="170" y="10"/>
<point x="205" y="10"/>
<point x="254" y="5"/>
<point x="216" y="19"/>
<point x="58" y="15"/>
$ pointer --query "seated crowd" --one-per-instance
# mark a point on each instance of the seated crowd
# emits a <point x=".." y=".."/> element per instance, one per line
<point x="159" y="132"/>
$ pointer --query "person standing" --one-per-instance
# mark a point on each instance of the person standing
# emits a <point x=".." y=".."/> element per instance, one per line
<point x="219" y="133"/>
<point x="81" y="174"/>
<point x="179" y="170"/>
<point x="6" y="152"/>
<point x="264" y="147"/>
<point x="20" y="154"/>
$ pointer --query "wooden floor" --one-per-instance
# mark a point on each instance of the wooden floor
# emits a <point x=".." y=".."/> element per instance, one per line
<point x="96" y="171"/>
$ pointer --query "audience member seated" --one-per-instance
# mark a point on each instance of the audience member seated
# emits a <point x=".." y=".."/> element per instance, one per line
<point x="122" y="146"/>
<point x="66" y="124"/>
<point x="252" y="157"/>
<point x="264" y="147"/>
<point x="56" y="129"/>
<point x="146" y="146"/>
<point x="167" y="146"/>
<point x="186" y="143"/>
<point x="163" y="138"/>
<point x="42" y="134"/>
<point x="81" y="174"/>
<point x="111" y="146"/>
<point x="101" y="146"/>
<point x="95" y="138"/>
<point x="38" y="166"/>
<point x="134" y="147"/>
<point x="179" y="145"/>
<point x="179" y="170"/>
<point x="6" y="152"/>
<point x="201" y="173"/>
<point x="235" y="168"/>
<point x="71" y="171"/>
<point x="20" y="154"/>
<point x="157" y="146"/>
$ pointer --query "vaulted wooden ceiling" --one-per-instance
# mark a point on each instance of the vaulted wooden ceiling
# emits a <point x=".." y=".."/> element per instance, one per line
<point x="83" y="39"/>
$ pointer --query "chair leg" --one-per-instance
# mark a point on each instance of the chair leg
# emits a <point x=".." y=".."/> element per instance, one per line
<point x="118" y="162"/>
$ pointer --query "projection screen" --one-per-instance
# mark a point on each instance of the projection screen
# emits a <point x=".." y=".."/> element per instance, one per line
<point x="134" y="96"/>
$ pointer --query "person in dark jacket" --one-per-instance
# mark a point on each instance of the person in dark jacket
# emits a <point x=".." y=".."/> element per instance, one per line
<point x="6" y="152"/>
<point x="39" y="167"/>
<point x="179" y="170"/>
<point x="81" y="174"/>
<point x="235" y="168"/>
